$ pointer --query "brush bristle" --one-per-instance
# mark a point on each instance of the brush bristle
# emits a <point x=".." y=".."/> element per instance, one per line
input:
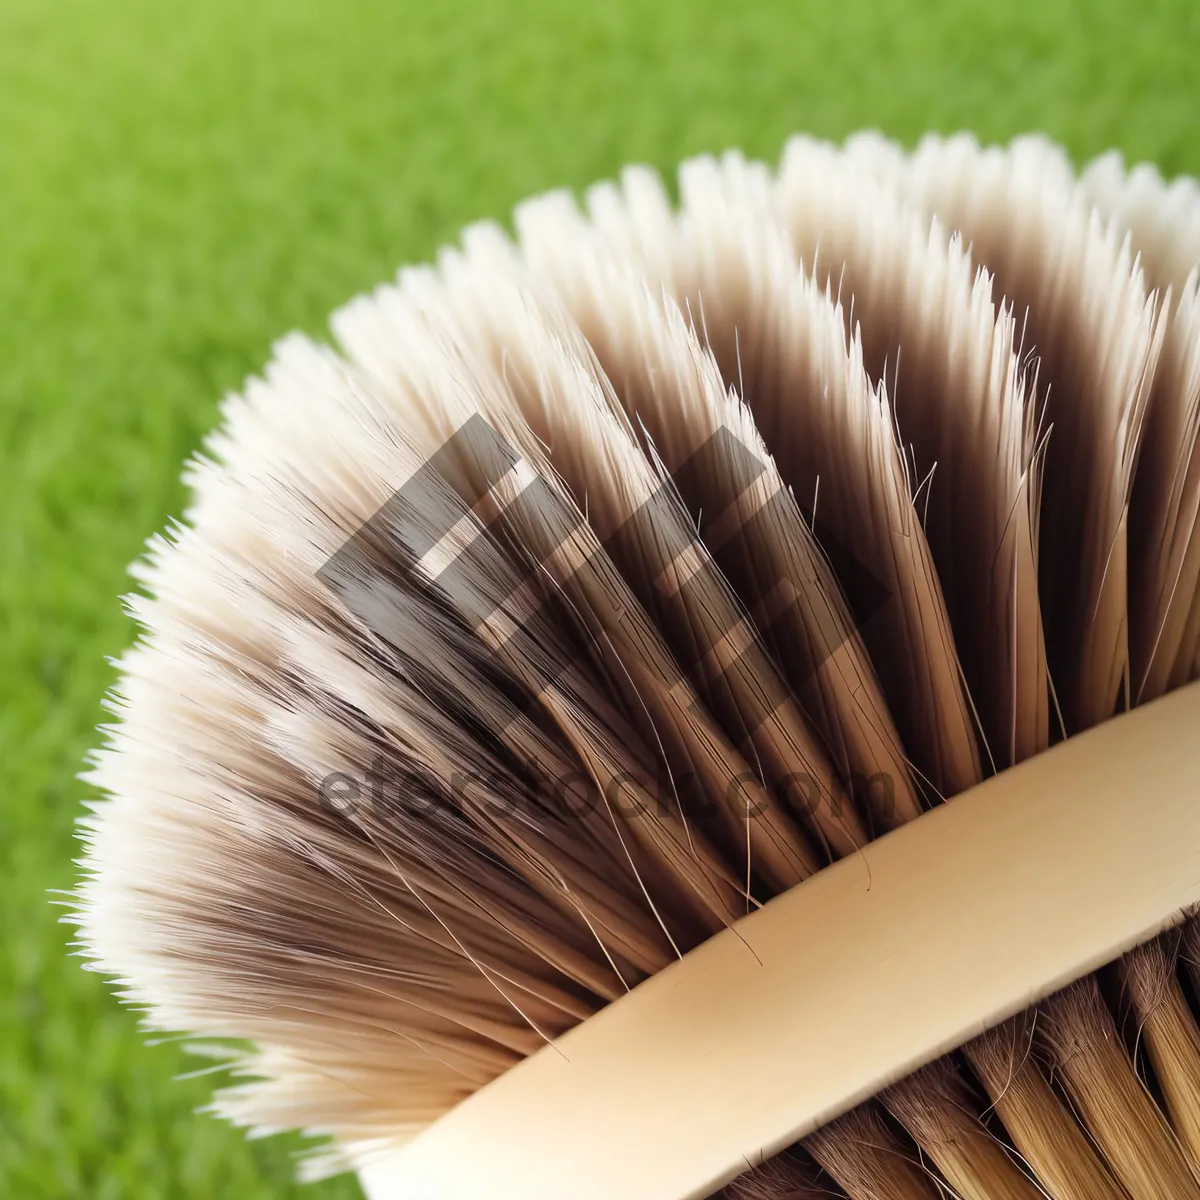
<point x="605" y="582"/>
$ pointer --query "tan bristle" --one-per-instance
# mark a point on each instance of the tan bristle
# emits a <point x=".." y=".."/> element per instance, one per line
<point x="936" y="1109"/>
<point x="1043" y="1131"/>
<point x="1138" y="1144"/>
<point x="607" y="581"/>
<point x="1167" y="1030"/>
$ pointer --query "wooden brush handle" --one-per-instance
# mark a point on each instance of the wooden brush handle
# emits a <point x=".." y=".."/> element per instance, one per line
<point x="847" y="983"/>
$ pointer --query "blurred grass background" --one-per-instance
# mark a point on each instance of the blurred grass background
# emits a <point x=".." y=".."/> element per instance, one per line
<point x="179" y="185"/>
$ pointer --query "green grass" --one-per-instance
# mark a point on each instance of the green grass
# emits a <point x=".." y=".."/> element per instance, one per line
<point x="179" y="185"/>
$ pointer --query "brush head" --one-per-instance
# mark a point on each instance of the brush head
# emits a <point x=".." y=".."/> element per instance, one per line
<point x="605" y="582"/>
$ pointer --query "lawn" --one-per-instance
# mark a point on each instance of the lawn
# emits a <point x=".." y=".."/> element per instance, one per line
<point x="180" y="185"/>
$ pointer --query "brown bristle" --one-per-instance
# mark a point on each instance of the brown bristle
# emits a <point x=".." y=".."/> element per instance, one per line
<point x="787" y="1176"/>
<point x="869" y="1160"/>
